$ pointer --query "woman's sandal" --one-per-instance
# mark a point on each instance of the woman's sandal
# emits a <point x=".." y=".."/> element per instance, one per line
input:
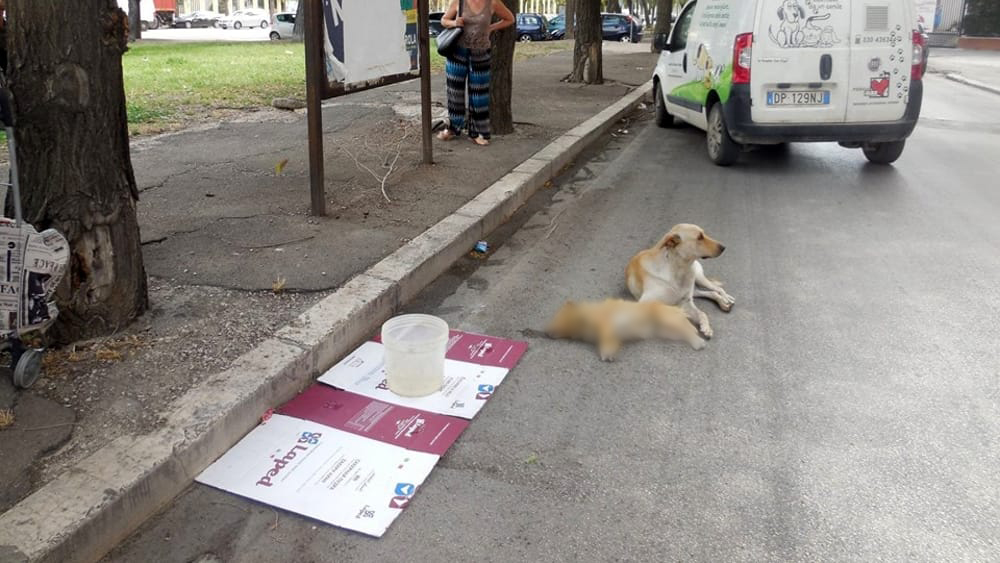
<point x="480" y="141"/>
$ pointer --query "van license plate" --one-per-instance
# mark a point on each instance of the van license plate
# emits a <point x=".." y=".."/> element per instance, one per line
<point x="798" y="98"/>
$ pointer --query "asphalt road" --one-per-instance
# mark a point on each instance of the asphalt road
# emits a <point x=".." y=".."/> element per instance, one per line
<point x="847" y="409"/>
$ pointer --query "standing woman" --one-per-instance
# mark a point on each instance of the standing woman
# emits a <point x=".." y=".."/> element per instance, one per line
<point x="468" y="66"/>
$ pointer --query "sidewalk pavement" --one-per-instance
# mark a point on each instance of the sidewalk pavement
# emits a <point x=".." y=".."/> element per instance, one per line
<point x="216" y="191"/>
<point x="233" y="255"/>
<point x="979" y="69"/>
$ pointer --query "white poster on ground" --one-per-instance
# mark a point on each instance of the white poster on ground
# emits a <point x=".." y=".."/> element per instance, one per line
<point x="333" y="476"/>
<point x="467" y="386"/>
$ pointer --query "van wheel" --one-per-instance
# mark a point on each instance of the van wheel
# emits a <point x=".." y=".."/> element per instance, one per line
<point x="884" y="153"/>
<point x="722" y="149"/>
<point x="525" y="39"/>
<point x="274" y="36"/>
<point x="663" y="117"/>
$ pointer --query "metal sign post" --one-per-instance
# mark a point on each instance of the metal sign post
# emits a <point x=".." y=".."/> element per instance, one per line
<point x="319" y="88"/>
<point x="315" y="88"/>
<point x="424" y="33"/>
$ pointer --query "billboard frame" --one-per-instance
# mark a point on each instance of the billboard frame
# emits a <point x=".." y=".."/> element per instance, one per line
<point x="318" y="88"/>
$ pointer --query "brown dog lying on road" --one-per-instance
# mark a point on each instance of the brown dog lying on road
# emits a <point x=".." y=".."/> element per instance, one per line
<point x="671" y="273"/>
<point x="611" y="322"/>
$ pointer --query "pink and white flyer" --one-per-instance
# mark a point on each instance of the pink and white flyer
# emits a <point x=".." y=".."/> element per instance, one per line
<point x="400" y="426"/>
<point x="467" y="386"/>
<point x="323" y="473"/>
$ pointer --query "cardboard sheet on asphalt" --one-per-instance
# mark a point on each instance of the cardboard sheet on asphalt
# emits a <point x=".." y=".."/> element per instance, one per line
<point x="351" y="453"/>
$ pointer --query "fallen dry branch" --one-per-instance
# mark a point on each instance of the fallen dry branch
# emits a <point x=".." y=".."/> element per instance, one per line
<point x="378" y="151"/>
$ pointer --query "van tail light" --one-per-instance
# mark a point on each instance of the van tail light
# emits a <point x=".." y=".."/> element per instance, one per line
<point x="741" y="58"/>
<point x="917" y="70"/>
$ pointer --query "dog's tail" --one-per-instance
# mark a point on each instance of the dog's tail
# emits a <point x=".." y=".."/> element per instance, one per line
<point x="773" y="38"/>
<point x="821" y="18"/>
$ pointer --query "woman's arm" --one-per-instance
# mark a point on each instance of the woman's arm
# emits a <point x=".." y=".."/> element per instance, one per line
<point x="448" y="19"/>
<point x="505" y="15"/>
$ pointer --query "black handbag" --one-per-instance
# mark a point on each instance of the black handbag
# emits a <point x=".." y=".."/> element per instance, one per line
<point x="447" y="40"/>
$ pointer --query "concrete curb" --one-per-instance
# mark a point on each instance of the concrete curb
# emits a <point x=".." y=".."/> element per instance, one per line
<point x="974" y="83"/>
<point x="92" y="507"/>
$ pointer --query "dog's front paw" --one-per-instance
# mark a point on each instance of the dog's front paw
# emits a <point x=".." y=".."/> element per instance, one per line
<point x="727" y="304"/>
<point x="706" y="330"/>
<point x="699" y="344"/>
<point x="607" y="356"/>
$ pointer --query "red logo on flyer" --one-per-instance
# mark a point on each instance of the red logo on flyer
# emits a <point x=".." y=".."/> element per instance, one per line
<point x="399" y="502"/>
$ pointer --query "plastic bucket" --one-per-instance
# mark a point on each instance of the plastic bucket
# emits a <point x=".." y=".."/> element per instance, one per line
<point x="415" y="346"/>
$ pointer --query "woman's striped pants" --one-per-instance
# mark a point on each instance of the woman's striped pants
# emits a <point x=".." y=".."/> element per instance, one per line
<point x="469" y="67"/>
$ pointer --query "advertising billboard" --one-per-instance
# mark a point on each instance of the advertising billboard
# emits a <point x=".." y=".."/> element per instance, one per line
<point x="368" y="41"/>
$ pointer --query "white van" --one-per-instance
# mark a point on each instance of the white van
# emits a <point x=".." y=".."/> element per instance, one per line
<point x="147" y="11"/>
<point x="759" y="72"/>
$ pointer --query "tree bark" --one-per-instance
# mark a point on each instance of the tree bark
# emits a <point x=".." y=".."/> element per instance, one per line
<point x="134" y="20"/>
<point x="614" y="6"/>
<point x="299" y="31"/>
<point x="73" y="155"/>
<point x="587" y="56"/>
<point x="663" y="11"/>
<point x="571" y="18"/>
<point x="502" y="76"/>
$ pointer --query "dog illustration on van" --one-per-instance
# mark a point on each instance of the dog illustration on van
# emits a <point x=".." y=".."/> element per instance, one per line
<point x="798" y="30"/>
<point x="703" y="62"/>
<point x="792" y="16"/>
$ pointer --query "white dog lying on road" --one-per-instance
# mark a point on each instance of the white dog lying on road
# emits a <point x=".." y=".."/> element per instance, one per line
<point x="670" y="272"/>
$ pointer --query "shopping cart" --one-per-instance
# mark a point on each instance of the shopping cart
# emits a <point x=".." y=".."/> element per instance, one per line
<point x="31" y="266"/>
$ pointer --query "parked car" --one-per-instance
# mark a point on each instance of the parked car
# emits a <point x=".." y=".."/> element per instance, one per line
<point x="620" y="27"/>
<point x="557" y="27"/>
<point x="282" y="26"/>
<point x="434" y="23"/>
<point x="244" y="18"/>
<point x="197" y="19"/>
<point x="531" y="27"/>
<point x="767" y="74"/>
<point x="614" y="27"/>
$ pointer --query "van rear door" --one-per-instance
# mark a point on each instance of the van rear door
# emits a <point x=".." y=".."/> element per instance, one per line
<point x="881" y="48"/>
<point x="801" y="66"/>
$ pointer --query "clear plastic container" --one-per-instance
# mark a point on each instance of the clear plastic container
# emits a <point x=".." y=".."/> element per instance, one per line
<point x="415" y="347"/>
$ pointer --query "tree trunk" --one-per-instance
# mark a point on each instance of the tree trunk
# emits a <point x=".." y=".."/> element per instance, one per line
<point x="571" y="18"/>
<point x="587" y="59"/>
<point x="663" y="10"/>
<point x="73" y="156"/>
<point x="614" y="6"/>
<point x="134" y="20"/>
<point x="299" y="31"/>
<point x="502" y="76"/>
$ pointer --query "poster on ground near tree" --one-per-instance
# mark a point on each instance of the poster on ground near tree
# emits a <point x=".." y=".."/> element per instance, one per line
<point x="369" y="40"/>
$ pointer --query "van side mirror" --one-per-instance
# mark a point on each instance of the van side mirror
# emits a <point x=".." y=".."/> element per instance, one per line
<point x="661" y="41"/>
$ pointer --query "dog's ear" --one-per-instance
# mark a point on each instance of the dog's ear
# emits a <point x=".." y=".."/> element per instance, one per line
<point x="802" y="11"/>
<point x="671" y="240"/>
<point x="781" y="12"/>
